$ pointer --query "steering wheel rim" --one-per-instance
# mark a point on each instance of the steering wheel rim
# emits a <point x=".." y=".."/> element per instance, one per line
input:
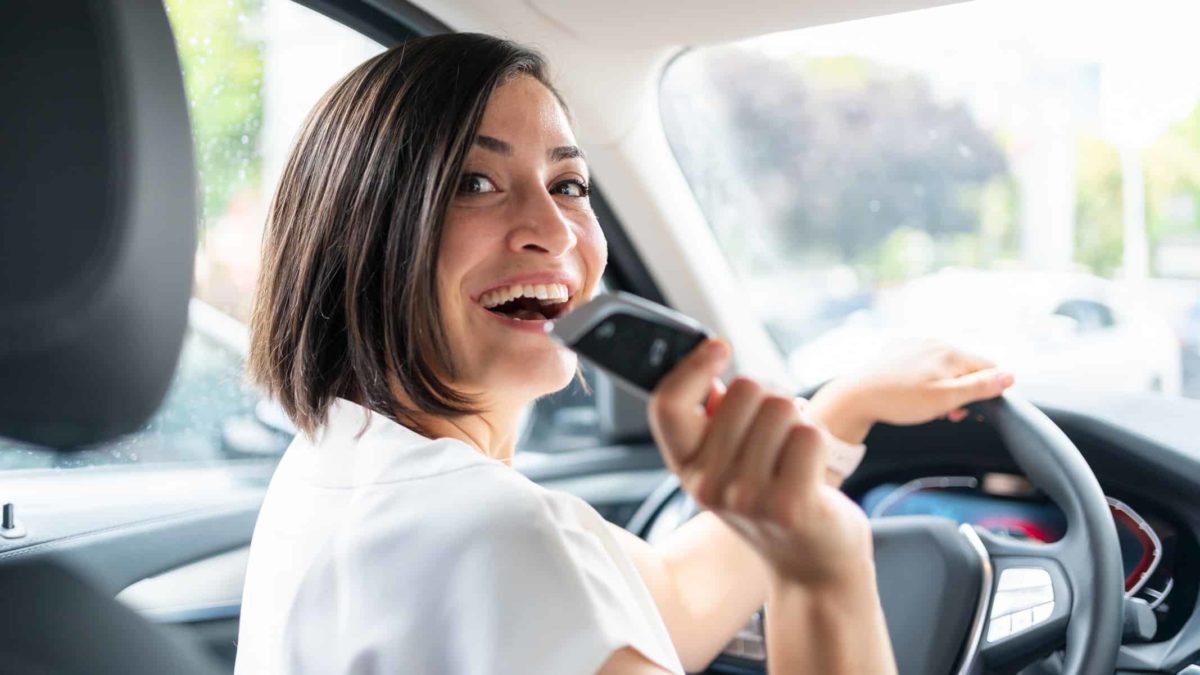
<point x="1089" y="554"/>
<point x="1086" y="562"/>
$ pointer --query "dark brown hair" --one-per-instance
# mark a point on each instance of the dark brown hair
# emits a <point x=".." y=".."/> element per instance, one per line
<point x="347" y="294"/>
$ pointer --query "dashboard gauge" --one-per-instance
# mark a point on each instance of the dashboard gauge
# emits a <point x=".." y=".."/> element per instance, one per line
<point x="1020" y="515"/>
<point x="960" y="499"/>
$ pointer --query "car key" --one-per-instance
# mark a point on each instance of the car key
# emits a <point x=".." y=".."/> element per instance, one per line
<point x="634" y="340"/>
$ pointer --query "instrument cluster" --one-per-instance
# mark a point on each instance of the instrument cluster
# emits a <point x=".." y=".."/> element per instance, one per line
<point x="1008" y="505"/>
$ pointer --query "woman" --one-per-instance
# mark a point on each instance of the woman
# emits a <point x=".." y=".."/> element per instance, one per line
<point x="433" y="214"/>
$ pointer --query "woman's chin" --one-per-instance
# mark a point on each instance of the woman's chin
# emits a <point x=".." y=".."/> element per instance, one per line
<point x="536" y="373"/>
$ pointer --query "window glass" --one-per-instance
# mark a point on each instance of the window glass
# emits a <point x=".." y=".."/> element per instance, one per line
<point x="252" y="71"/>
<point x="569" y="419"/>
<point x="1021" y="178"/>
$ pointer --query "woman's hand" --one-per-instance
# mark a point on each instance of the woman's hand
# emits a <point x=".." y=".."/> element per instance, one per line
<point x="757" y="461"/>
<point x="915" y="383"/>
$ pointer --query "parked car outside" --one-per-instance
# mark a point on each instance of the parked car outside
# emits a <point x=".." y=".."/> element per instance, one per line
<point x="1069" y="329"/>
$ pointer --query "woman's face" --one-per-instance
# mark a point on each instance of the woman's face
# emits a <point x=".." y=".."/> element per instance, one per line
<point x="520" y="244"/>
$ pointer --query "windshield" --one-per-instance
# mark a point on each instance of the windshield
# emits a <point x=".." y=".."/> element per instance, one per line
<point x="1021" y="178"/>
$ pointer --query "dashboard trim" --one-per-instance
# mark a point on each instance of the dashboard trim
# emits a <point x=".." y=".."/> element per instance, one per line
<point x="1155" y="556"/>
<point x="975" y="636"/>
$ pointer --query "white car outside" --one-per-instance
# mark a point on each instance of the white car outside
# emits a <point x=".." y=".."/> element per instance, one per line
<point x="1067" y="329"/>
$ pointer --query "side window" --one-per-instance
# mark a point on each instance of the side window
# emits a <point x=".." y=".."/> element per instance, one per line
<point x="566" y="420"/>
<point x="569" y="419"/>
<point x="252" y="71"/>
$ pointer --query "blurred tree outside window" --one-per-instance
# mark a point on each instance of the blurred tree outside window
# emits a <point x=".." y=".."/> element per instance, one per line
<point x="960" y="172"/>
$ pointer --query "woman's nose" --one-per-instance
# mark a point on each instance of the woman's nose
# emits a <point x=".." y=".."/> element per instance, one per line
<point x="541" y="227"/>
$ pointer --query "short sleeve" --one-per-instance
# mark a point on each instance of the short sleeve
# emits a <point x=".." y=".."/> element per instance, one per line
<point x="544" y="588"/>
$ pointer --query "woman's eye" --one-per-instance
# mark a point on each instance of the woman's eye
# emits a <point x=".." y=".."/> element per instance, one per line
<point x="571" y="188"/>
<point x="474" y="183"/>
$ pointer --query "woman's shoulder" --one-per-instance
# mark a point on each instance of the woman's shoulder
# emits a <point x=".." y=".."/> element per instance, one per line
<point x="495" y="502"/>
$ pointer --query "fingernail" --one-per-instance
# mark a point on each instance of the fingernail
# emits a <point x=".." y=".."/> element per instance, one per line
<point x="1005" y="379"/>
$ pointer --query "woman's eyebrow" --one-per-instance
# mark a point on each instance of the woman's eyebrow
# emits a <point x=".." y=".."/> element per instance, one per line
<point x="494" y="144"/>
<point x="565" y="152"/>
<point x="503" y="148"/>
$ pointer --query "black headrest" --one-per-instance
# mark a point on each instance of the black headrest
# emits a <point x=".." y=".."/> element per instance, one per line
<point x="97" y="217"/>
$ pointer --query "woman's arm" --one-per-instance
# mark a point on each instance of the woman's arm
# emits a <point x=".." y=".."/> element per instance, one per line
<point x="757" y="461"/>
<point x="629" y="661"/>
<point x="833" y="629"/>
<point x="707" y="580"/>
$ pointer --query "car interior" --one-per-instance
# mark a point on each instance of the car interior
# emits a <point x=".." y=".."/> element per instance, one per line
<point x="1056" y="530"/>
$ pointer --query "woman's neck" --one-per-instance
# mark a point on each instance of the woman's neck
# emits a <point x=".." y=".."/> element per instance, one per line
<point x="492" y="434"/>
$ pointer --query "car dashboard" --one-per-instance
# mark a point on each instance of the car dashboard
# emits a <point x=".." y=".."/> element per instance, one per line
<point x="1007" y="505"/>
<point x="1143" y="455"/>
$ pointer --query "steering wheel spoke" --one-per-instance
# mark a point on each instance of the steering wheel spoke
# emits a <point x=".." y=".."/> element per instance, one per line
<point x="1030" y="603"/>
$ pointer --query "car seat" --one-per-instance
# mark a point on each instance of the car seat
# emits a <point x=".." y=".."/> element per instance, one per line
<point x="97" y="239"/>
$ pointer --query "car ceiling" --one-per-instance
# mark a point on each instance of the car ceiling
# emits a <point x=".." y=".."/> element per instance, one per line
<point x="633" y="37"/>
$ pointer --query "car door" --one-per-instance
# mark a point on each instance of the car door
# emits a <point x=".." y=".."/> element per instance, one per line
<point x="163" y="518"/>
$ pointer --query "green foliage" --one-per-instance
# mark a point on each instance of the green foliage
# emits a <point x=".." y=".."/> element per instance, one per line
<point x="1172" y="168"/>
<point x="846" y="158"/>
<point x="1099" y="232"/>
<point x="906" y="253"/>
<point x="222" y="58"/>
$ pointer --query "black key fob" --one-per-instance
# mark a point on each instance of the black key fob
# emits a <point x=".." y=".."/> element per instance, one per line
<point x="634" y="340"/>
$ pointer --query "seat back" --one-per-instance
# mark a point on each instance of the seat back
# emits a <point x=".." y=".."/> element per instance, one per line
<point x="97" y="218"/>
<point x="97" y="238"/>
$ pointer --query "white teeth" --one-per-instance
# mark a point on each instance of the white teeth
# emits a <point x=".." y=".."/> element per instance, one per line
<point x="549" y="293"/>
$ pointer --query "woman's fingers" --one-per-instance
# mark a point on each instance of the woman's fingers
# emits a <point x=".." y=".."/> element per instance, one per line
<point x="716" y="392"/>
<point x="677" y="415"/>
<point x="748" y="479"/>
<point x="977" y="386"/>
<point x="718" y="455"/>
<point x="963" y="362"/>
<point x="801" y="469"/>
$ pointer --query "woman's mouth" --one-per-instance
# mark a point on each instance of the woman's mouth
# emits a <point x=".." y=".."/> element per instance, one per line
<point x="527" y="302"/>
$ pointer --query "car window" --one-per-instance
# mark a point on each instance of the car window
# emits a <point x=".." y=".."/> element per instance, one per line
<point x="252" y="70"/>
<point x="569" y="419"/>
<point x="975" y="172"/>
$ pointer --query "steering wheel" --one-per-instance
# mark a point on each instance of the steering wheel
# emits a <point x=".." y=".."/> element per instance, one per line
<point x="962" y="601"/>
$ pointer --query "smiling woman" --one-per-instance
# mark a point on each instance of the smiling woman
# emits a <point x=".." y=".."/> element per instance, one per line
<point x="433" y="217"/>
<point x="439" y="258"/>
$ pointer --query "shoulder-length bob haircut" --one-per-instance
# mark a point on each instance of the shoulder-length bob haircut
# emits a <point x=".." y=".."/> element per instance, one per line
<point x="347" y="296"/>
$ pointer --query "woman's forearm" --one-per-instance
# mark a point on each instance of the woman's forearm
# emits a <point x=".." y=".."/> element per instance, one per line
<point x="721" y="581"/>
<point x="706" y="579"/>
<point x="837" y="629"/>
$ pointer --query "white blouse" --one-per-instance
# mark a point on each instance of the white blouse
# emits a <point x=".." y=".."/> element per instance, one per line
<point x="393" y="553"/>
